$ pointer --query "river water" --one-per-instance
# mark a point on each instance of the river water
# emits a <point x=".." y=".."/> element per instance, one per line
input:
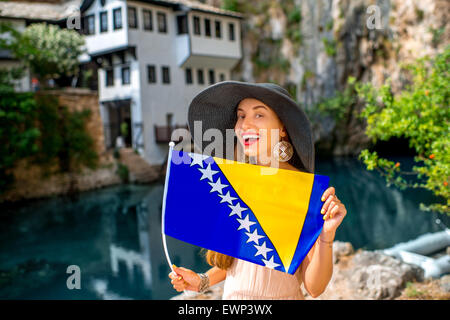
<point x="114" y="236"/>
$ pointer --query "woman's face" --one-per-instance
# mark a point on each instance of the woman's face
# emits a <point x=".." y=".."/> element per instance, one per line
<point x="258" y="128"/>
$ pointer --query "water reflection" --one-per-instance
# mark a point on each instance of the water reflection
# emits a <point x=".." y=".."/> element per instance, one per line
<point x="114" y="236"/>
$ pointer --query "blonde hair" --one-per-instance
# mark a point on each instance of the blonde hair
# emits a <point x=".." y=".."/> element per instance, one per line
<point x="219" y="260"/>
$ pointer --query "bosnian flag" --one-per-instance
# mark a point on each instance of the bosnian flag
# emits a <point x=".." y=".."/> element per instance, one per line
<point x="232" y="208"/>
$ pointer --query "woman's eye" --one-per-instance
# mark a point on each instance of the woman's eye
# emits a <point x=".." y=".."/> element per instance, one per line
<point x="240" y="116"/>
<point x="258" y="115"/>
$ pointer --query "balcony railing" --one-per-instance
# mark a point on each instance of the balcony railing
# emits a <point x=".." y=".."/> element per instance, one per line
<point x="164" y="133"/>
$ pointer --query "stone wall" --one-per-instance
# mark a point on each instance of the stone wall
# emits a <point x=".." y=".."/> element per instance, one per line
<point x="76" y="99"/>
<point x="30" y="181"/>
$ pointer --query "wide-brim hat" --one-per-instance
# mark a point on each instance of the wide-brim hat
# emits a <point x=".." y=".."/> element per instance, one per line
<point x="216" y="105"/>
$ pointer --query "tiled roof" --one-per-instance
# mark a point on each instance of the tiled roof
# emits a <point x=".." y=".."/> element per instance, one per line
<point x="39" y="10"/>
<point x="204" y="7"/>
<point x="55" y="11"/>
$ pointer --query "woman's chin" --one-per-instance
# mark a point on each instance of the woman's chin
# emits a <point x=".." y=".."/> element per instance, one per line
<point x="250" y="151"/>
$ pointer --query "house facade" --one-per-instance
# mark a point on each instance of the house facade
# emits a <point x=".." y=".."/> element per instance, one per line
<point x="153" y="58"/>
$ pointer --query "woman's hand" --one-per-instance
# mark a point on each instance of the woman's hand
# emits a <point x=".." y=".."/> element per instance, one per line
<point x="333" y="211"/>
<point x="184" y="279"/>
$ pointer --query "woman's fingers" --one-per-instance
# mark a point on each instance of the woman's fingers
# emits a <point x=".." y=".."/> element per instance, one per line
<point x="329" y="204"/>
<point x="328" y="192"/>
<point x="175" y="276"/>
<point x="184" y="279"/>
<point x="326" y="204"/>
<point x="333" y="211"/>
<point x="177" y="282"/>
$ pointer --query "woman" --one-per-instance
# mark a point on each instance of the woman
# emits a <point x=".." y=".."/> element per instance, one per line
<point x="255" y="111"/>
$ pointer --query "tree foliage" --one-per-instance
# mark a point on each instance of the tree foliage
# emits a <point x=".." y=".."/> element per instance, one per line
<point x="421" y="114"/>
<point x="18" y="132"/>
<point x="37" y="128"/>
<point x="49" y="51"/>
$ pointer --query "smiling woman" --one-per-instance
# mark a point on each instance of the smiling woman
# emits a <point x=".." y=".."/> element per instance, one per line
<point x="260" y="124"/>
<point x="258" y="129"/>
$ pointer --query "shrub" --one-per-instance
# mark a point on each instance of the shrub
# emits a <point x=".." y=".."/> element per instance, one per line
<point x="421" y="114"/>
<point x="50" y="52"/>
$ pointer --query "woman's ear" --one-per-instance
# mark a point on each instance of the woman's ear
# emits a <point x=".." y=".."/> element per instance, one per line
<point x="283" y="132"/>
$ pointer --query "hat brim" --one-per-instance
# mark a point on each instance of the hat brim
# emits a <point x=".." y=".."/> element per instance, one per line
<point x="216" y="105"/>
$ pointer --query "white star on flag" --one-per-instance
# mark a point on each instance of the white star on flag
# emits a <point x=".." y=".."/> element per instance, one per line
<point x="217" y="186"/>
<point x="237" y="209"/>
<point x="254" y="236"/>
<point x="262" y="250"/>
<point x="197" y="159"/>
<point x="270" y="263"/>
<point x="227" y="198"/>
<point x="207" y="173"/>
<point x="245" y="223"/>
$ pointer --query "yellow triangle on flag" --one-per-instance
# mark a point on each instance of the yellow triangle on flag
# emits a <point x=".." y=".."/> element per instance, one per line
<point x="279" y="201"/>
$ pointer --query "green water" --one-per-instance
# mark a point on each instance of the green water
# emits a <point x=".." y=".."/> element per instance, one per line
<point x="114" y="236"/>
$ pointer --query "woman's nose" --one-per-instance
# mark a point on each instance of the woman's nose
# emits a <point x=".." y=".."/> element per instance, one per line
<point x="246" y="124"/>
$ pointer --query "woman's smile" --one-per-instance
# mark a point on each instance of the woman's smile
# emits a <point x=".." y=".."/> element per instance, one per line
<point x="249" y="138"/>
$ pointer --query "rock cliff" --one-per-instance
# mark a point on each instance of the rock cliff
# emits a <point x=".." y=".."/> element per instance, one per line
<point x="311" y="47"/>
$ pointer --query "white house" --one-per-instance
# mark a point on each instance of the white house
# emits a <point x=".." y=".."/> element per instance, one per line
<point x="154" y="57"/>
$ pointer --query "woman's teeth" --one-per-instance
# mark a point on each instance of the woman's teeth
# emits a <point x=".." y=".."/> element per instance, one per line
<point x="250" y="138"/>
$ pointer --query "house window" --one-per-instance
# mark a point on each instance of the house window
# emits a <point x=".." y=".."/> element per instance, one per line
<point x="109" y="77"/>
<point x="104" y="21"/>
<point x="231" y="31"/>
<point x="132" y="18"/>
<point x="151" y="74"/>
<point x="188" y="74"/>
<point x="165" y="74"/>
<point x="126" y="75"/>
<point x="117" y="18"/>
<point x="218" y="25"/>
<point x="182" y="25"/>
<point x="207" y="27"/>
<point x="222" y="77"/>
<point x="200" y="76"/>
<point x="212" y="76"/>
<point x="162" y="22"/>
<point x="197" y="26"/>
<point x="148" y="19"/>
<point x="89" y="24"/>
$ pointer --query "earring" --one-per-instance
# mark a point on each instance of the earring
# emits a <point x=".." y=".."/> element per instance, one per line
<point x="283" y="151"/>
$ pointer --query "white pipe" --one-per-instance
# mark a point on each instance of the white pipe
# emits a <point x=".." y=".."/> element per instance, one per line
<point x="423" y="245"/>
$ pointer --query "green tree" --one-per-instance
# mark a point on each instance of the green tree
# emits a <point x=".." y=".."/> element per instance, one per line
<point x="49" y="51"/>
<point x="18" y="132"/>
<point x="421" y="114"/>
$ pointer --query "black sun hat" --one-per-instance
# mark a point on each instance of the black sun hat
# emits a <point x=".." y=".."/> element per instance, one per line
<point x="216" y="106"/>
